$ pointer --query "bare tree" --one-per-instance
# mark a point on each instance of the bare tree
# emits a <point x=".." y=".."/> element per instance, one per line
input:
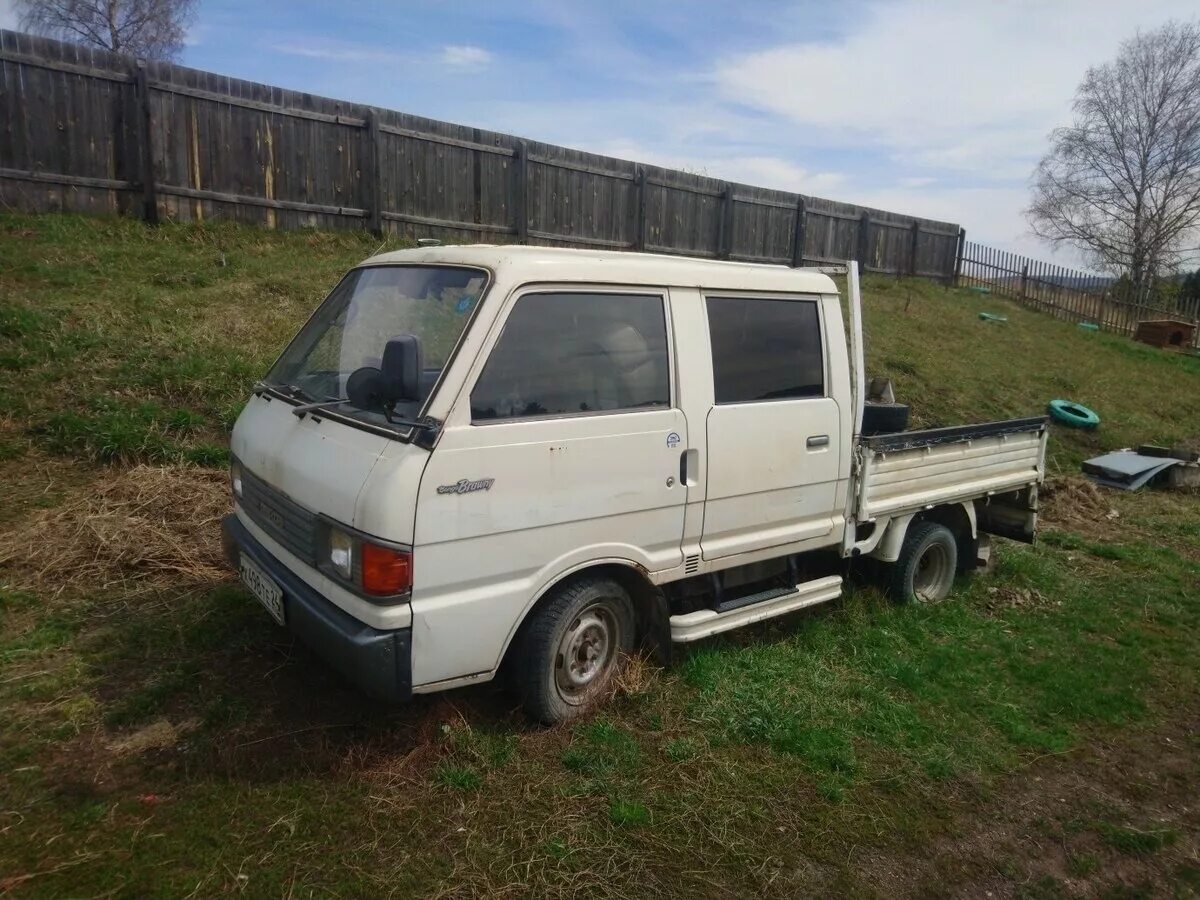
<point x="153" y="29"/>
<point x="1122" y="181"/>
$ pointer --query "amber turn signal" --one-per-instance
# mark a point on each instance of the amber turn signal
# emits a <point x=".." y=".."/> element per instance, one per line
<point x="385" y="572"/>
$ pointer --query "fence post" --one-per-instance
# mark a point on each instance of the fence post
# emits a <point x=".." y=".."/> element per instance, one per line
<point x="521" y="192"/>
<point x="145" y="132"/>
<point x="1024" y="278"/>
<point x="912" y="252"/>
<point x="725" y="232"/>
<point x="799" y="233"/>
<point x="864" y="240"/>
<point x="639" y="240"/>
<point x="959" y="251"/>
<point x="373" y="183"/>
<point x="476" y="179"/>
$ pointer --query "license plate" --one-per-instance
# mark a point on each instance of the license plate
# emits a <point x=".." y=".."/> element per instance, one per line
<point x="263" y="587"/>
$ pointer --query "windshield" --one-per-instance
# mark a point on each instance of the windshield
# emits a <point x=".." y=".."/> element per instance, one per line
<point x="367" y="309"/>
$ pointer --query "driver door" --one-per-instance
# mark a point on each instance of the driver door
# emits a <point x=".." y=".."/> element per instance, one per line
<point x="566" y="451"/>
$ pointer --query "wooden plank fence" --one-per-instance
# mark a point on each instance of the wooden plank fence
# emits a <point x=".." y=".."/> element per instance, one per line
<point x="1069" y="294"/>
<point x="90" y="131"/>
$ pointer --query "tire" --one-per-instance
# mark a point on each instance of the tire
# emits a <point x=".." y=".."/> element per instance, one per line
<point x="884" y="418"/>
<point x="1075" y="415"/>
<point x="571" y="647"/>
<point x="928" y="562"/>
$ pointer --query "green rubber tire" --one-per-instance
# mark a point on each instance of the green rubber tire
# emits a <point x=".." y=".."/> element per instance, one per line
<point x="1073" y="414"/>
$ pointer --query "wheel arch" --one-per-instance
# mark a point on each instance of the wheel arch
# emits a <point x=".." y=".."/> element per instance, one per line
<point x="958" y="517"/>
<point x="649" y="603"/>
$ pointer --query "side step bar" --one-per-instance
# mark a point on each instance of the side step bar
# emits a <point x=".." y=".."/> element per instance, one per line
<point x="706" y="622"/>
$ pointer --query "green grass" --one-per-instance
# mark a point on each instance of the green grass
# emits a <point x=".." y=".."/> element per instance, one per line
<point x="1136" y="840"/>
<point x="457" y="778"/>
<point x="824" y="753"/>
<point x="124" y="343"/>
<point x="628" y="812"/>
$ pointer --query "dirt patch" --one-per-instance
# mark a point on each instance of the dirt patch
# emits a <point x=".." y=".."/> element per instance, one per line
<point x="1079" y="505"/>
<point x="1008" y="597"/>
<point x="158" y="735"/>
<point x="147" y="528"/>
<point x="1115" y="818"/>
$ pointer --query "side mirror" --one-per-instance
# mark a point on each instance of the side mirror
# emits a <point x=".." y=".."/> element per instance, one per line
<point x="401" y="368"/>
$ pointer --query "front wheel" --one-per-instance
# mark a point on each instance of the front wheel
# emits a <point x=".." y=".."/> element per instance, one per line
<point x="571" y="647"/>
<point x="927" y="564"/>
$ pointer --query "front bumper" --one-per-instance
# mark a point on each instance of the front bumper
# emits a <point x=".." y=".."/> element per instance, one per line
<point x="377" y="662"/>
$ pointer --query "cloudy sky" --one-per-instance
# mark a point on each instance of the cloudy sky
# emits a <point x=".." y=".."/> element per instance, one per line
<point x="932" y="107"/>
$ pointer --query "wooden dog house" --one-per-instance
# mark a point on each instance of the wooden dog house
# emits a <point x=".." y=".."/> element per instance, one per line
<point x="1165" y="333"/>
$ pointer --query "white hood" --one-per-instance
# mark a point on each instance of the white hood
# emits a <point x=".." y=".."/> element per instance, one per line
<point x="318" y="462"/>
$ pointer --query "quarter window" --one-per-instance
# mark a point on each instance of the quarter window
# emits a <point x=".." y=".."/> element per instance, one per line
<point x="573" y="353"/>
<point x="765" y="349"/>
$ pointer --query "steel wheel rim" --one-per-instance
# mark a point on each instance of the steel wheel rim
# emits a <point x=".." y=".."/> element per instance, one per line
<point x="929" y="576"/>
<point x="585" y="652"/>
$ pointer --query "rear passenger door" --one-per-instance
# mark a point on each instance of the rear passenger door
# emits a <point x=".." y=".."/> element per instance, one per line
<point x="773" y="432"/>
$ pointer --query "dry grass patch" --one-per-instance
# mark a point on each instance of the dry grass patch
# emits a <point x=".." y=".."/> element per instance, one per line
<point x="637" y="676"/>
<point x="1009" y="597"/>
<point x="1076" y="504"/>
<point x="36" y="481"/>
<point x="144" y="529"/>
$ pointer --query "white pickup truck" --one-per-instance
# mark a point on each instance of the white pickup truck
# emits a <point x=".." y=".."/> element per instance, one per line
<point x="482" y="459"/>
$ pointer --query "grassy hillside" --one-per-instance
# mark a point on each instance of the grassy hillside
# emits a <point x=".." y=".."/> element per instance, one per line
<point x="126" y="343"/>
<point x="1034" y="736"/>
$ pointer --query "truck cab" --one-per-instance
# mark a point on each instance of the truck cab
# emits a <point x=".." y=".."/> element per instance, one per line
<point x="476" y="457"/>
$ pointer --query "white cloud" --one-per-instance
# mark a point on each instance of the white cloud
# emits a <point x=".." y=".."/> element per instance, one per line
<point x="334" y="51"/>
<point x="780" y="174"/>
<point x="460" y="57"/>
<point x="992" y="215"/>
<point x="761" y="171"/>
<point x="465" y="56"/>
<point x="195" y="35"/>
<point x="964" y="86"/>
<point x="8" y="15"/>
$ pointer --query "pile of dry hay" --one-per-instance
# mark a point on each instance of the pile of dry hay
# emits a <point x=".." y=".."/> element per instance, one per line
<point x="143" y="529"/>
<point x="1074" y="501"/>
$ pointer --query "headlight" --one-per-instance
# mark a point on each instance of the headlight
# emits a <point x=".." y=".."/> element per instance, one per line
<point x="235" y="478"/>
<point x="341" y="553"/>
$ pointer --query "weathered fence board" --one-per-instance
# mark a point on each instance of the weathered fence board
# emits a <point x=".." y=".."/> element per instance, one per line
<point x="92" y="131"/>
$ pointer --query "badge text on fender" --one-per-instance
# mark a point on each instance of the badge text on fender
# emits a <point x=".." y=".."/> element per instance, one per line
<point x="466" y="486"/>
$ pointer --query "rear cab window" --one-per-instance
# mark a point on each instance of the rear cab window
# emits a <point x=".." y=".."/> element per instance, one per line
<point x="765" y="349"/>
<point x="571" y="353"/>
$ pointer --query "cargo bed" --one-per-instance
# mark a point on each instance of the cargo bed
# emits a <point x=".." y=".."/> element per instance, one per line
<point x="913" y="470"/>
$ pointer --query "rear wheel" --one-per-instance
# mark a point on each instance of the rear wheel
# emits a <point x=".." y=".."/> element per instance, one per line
<point x="571" y="648"/>
<point x="928" y="561"/>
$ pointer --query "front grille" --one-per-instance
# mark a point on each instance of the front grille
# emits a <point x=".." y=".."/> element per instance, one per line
<point x="282" y="518"/>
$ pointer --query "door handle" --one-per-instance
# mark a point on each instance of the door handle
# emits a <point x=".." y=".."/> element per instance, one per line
<point x="818" y="440"/>
<point x="689" y="467"/>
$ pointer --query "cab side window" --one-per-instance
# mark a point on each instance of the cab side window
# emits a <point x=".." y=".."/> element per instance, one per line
<point x="765" y="349"/>
<point x="564" y="354"/>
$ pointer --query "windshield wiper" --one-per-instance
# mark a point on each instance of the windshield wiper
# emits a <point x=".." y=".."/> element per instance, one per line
<point x="293" y="391"/>
<point x="319" y="404"/>
<point x="305" y="408"/>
